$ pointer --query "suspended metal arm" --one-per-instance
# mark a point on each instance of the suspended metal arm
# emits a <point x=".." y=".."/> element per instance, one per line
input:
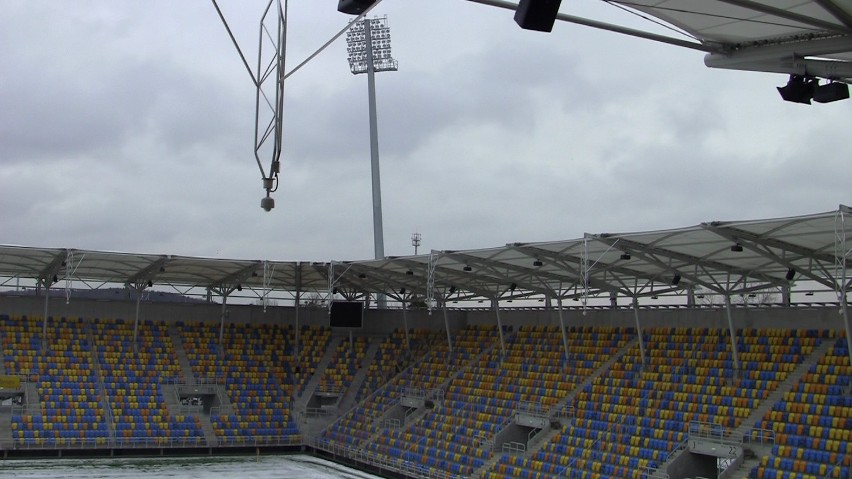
<point x="234" y="41"/>
<point x="274" y="72"/>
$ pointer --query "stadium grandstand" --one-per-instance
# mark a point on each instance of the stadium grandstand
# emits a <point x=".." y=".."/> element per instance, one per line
<point x="716" y="350"/>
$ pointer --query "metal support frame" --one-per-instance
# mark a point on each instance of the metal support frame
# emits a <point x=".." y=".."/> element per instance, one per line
<point x="297" y="305"/>
<point x="136" y="316"/>
<point x="639" y="330"/>
<point x="500" y="327"/>
<point x="296" y="348"/>
<point x="562" y="326"/>
<point x="268" y="273"/>
<point x="44" y="319"/>
<point x="447" y="325"/>
<point x="405" y="322"/>
<point x="222" y="325"/>
<point x="733" y="334"/>
<point x="270" y="72"/>
<point x="841" y="252"/>
<point x="70" y="269"/>
<point x="434" y="256"/>
<point x="585" y="270"/>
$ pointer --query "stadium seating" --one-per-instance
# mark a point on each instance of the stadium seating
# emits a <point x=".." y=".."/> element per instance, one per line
<point x="98" y="388"/>
<point x="70" y="413"/>
<point x="252" y="366"/>
<point x="813" y="423"/>
<point x="132" y="375"/>
<point x="344" y="364"/>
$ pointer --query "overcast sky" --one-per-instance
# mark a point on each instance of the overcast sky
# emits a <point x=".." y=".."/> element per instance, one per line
<point x="128" y="126"/>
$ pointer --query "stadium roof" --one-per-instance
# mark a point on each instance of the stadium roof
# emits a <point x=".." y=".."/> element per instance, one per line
<point x="802" y="37"/>
<point x="722" y="257"/>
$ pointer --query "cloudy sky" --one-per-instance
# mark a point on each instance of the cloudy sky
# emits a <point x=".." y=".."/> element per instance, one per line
<point x="128" y="126"/>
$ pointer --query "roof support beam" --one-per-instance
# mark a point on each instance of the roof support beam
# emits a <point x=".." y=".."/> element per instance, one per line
<point x="573" y="265"/>
<point x="835" y="10"/>
<point x="652" y="254"/>
<point x="753" y="242"/>
<point x="611" y="27"/>
<point x="786" y="14"/>
<point x="148" y="273"/>
<point x="777" y="57"/>
<point x="235" y="279"/>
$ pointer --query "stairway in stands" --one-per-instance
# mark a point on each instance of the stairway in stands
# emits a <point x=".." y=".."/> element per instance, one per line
<point x="348" y="399"/>
<point x="171" y="395"/>
<point x="784" y="387"/>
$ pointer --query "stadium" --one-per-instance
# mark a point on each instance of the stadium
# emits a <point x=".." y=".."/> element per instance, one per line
<point x="716" y="350"/>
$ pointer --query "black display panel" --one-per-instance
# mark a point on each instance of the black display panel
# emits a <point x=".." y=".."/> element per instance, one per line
<point x="346" y="314"/>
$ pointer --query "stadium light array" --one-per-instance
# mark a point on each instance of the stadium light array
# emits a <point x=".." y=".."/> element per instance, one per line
<point x="356" y="39"/>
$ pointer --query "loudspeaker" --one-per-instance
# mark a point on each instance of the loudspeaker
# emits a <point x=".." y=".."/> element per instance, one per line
<point x="831" y="92"/>
<point x="354" y="7"/>
<point x="798" y="89"/>
<point x="537" y="15"/>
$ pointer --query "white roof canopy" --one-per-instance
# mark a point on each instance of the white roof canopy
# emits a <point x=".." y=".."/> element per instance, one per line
<point x="801" y="37"/>
<point x="721" y="257"/>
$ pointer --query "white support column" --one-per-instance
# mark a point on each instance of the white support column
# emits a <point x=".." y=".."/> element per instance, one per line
<point x="841" y="253"/>
<point x="844" y="311"/>
<point x="562" y="326"/>
<point x="296" y="348"/>
<point x="136" y="318"/>
<point x="500" y="327"/>
<point x="447" y="325"/>
<point x="44" y="319"/>
<point x="733" y="334"/>
<point x="639" y="330"/>
<point x="222" y="326"/>
<point x="405" y="324"/>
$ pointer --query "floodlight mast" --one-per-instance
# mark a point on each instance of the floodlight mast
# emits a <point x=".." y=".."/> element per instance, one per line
<point x="369" y="49"/>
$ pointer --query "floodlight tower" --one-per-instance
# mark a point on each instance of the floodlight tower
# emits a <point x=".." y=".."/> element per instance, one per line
<point x="369" y="48"/>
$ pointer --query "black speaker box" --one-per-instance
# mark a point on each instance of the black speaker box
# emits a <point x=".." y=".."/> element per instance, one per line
<point x="537" y="15"/>
<point x="354" y="7"/>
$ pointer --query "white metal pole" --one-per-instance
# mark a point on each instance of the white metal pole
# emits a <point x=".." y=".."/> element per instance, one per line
<point x="136" y="318"/>
<point x="378" y="230"/>
<point x="500" y="327"/>
<point x="733" y="334"/>
<point x="562" y="325"/>
<point x="378" y="233"/>
<point x="222" y="325"/>
<point x="44" y="320"/>
<point x="447" y="325"/>
<point x="844" y="310"/>
<point x="405" y="325"/>
<point x="639" y="330"/>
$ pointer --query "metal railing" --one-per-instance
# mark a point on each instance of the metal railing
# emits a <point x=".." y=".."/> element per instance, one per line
<point x="514" y="447"/>
<point x="155" y="442"/>
<point x="713" y="432"/>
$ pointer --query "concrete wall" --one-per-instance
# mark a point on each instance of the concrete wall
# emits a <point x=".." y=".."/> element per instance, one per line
<point x="383" y="321"/>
